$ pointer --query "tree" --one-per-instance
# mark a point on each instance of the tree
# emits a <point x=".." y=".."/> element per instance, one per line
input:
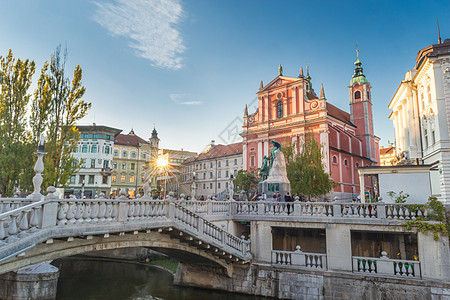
<point x="246" y="181"/>
<point x="15" y="80"/>
<point x="56" y="107"/>
<point x="305" y="169"/>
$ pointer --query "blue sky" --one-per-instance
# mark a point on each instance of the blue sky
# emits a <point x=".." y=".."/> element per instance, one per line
<point x="189" y="67"/>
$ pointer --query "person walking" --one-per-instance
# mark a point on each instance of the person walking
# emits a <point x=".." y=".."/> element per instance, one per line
<point x="288" y="200"/>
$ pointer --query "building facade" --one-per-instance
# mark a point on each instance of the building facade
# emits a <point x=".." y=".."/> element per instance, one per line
<point x="95" y="152"/>
<point x="213" y="170"/>
<point x="388" y="156"/>
<point x="172" y="181"/>
<point x="288" y="108"/>
<point x="131" y="165"/>
<point x="421" y="115"/>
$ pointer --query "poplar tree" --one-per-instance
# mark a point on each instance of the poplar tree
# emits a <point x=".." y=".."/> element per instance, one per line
<point x="305" y="169"/>
<point x="15" y="80"/>
<point x="57" y="105"/>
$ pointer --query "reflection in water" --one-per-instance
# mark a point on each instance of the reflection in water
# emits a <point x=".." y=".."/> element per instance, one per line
<point x="92" y="279"/>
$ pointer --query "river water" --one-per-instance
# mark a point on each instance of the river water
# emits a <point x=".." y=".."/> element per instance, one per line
<point x="91" y="279"/>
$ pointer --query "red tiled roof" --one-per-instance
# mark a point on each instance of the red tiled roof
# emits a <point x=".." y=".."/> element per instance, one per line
<point x="219" y="151"/>
<point x="339" y="114"/>
<point x="129" y="140"/>
<point x="311" y="95"/>
<point x="388" y="150"/>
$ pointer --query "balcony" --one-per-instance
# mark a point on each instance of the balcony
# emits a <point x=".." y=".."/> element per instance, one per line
<point x="106" y="171"/>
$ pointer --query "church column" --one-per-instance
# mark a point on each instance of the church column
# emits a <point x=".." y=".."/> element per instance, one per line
<point x="294" y="101"/>
<point x="285" y="107"/>
<point x="266" y="148"/>
<point x="326" y="150"/>
<point x="397" y="134"/>
<point x="260" y="154"/>
<point x="244" y="156"/>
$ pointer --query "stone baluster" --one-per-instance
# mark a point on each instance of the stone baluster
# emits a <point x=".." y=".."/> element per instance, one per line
<point x="34" y="220"/>
<point x="86" y="212"/>
<point x="108" y="211"/>
<point x="101" y="211"/>
<point x="62" y="214"/>
<point x="79" y="207"/>
<point x="70" y="215"/>
<point x="24" y="225"/>
<point x="94" y="212"/>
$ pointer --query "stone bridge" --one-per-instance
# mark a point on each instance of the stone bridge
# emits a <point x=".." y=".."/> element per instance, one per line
<point x="54" y="228"/>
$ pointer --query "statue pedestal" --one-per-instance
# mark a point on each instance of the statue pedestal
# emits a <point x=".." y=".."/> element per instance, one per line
<point x="277" y="181"/>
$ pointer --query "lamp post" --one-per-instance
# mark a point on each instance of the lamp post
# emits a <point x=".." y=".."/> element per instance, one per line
<point x="38" y="168"/>
<point x="193" y="186"/>
<point x="82" y="189"/>
<point x="137" y="170"/>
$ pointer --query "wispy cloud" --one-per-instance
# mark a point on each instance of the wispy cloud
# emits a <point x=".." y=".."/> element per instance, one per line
<point x="184" y="99"/>
<point x="191" y="103"/>
<point x="150" y="25"/>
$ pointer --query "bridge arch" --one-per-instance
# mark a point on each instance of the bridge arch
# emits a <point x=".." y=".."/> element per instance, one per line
<point x="183" y="251"/>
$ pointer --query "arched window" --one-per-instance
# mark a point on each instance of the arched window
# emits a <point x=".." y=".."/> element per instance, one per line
<point x="345" y="162"/>
<point x="357" y="95"/>
<point x="334" y="159"/>
<point x="368" y="95"/>
<point x="357" y="165"/>
<point x="280" y="109"/>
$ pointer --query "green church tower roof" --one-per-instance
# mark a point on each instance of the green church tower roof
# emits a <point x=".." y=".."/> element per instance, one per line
<point x="358" y="76"/>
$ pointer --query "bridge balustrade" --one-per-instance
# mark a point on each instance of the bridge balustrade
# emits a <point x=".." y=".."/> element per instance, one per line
<point x="386" y="266"/>
<point x="299" y="259"/>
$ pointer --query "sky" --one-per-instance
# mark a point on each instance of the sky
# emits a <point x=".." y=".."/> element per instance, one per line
<point x="189" y="67"/>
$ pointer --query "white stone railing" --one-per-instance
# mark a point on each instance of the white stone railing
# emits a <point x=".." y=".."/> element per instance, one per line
<point x="8" y="204"/>
<point x="201" y="226"/>
<point x="299" y="258"/>
<point x="21" y="221"/>
<point x="386" y="266"/>
<point x="78" y="213"/>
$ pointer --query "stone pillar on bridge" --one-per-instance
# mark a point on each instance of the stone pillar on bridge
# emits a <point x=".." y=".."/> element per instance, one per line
<point x="339" y="247"/>
<point x="261" y="241"/>
<point x="433" y="256"/>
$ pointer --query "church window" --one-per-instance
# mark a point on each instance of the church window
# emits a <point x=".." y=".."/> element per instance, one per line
<point x="357" y="165"/>
<point x="345" y="162"/>
<point x="334" y="159"/>
<point x="368" y="95"/>
<point x="357" y="95"/>
<point x="280" y="109"/>
<point x="252" y="161"/>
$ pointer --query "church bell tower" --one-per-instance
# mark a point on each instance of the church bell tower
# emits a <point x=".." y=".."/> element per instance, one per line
<point x="361" y="111"/>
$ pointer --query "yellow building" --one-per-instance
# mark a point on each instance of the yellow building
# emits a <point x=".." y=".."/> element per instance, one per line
<point x="387" y="156"/>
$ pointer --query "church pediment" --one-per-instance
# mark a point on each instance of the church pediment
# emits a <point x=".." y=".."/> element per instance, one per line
<point x="277" y="82"/>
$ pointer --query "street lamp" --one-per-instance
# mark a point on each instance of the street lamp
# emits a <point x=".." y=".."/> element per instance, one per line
<point x="193" y="186"/>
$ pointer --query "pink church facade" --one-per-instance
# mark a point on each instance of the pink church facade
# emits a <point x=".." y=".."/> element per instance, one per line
<point x="288" y="107"/>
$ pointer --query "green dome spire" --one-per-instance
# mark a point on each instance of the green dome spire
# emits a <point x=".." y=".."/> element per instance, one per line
<point x="358" y="76"/>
